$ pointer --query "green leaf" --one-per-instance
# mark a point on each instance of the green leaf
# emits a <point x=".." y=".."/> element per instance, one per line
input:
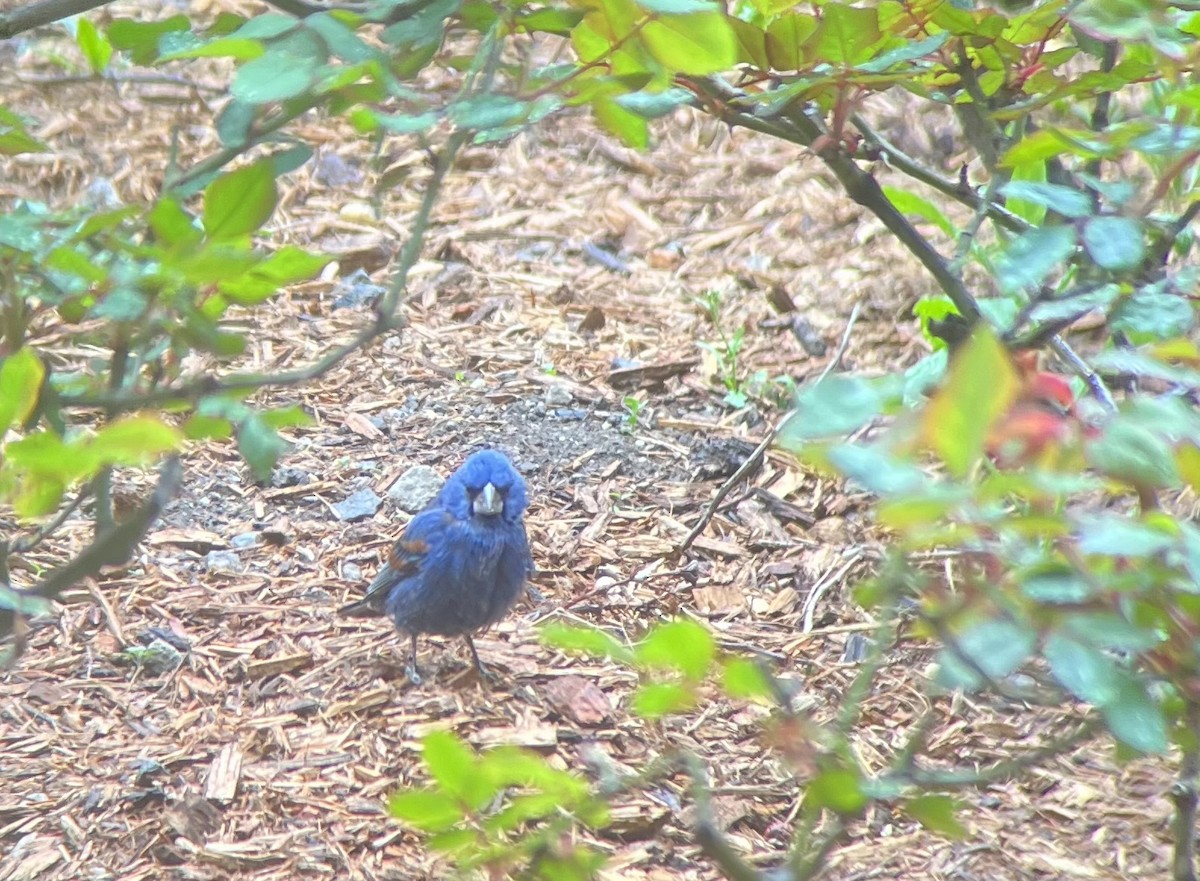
<point x="1108" y="630"/>
<point x="266" y="26"/>
<point x="660" y="699"/>
<point x="910" y="203"/>
<point x="908" y="51"/>
<point x="744" y="678"/>
<point x="698" y="44"/>
<point x="616" y="120"/>
<point x="14" y="138"/>
<point x="172" y="225"/>
<point x="653" y="105"/>
<point x="979" y="389"/>
<point x="550" y="20"/>
<point x="134" y="440"/>
<point x="1134" y="718"/>
<point x="1116" y="535"/>
<point x="235" y="122"/>
<point x="1152" y="314"/>
<point x="423" y="26"/>
<point x="839" y="404"/>
<point x="481" y="112"/>
<point x="677" y="7"/>
<point x="229" y="47"/>
<point x="23" y="602"/>
<point x="996" y="647"/>
<point x="585" y="640"/>
<point x="239" y="203"/>
<point x="876" y="470"/>
<point x="679" y="645"/>
<point x="121" y="304"/>
<point x="141" y="38"/>
<point x="1033" y="255"/>
<point x="1087" y="673"/>
<point x="1133" y="453"/>
<point x="287" y="417"/>
<point x="426" y="809"/>
<point x="21" y="376"/>
<point x="1141" y="364"/>
<point x="1115" y="243"/>
<point x="1064" y="200"/>
<point x="260" y="446"/>
<point x="846" y="34"/>
<point x="454" y="766"/>
<point x="199" y="427"/>
<point x="1054" y="310"/>
<point x="276" y="76"/>
<point x="96" y="49"/>
<point x="838" y="789"/>
<point x="1055" y="583"/>
<point x="786" y="37"/>
<point x="341" y="40"/>
<point x="937" y="814"/>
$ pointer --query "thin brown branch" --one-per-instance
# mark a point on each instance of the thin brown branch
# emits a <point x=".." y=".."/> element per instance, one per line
<point x="110" y="548"/>
<point x="755" y="458"/>
<point x="1185" y="796"/>
<point x="712" y="841"/>
<point x="34" y="15"/>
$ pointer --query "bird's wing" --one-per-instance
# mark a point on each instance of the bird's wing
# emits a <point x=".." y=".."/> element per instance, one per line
<point x="404" y="561"/>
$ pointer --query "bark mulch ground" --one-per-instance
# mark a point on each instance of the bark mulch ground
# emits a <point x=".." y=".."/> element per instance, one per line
<point x="559" y="281"/>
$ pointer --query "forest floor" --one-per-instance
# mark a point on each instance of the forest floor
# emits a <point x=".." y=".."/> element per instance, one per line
<point x="270" y="751"/>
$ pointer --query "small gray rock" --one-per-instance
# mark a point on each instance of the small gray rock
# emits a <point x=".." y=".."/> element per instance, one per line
<point x="244" y="540"/>
<point x="351" y="572"/>
<point x="558" y="396"/>
<point x="415" y="488"/>
<point x="222" y="561"/>
<point x="360" y="505"/>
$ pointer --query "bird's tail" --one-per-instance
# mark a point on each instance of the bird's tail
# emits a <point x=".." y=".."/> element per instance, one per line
<point x="367" y="607"/>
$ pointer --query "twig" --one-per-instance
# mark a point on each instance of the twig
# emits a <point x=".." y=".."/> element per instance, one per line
<point x="818" y="590"/>
<point x="712" y="842"/>
<point x="25" y="544"/>
<point x="25" y="18"/>
<point x="755" y="458"/>
<point x="113" y="547"/>
<point x="1090" y="376"/>
<point x="1003" y="770"/>
<point x="901" y="161"/>
<point x="1185" y="797"/>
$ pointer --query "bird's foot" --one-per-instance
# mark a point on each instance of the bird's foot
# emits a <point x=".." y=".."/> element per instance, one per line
<point x="414" y="674"/>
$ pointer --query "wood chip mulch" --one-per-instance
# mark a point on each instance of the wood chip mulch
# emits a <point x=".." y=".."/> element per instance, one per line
<point x="270" y="751"/>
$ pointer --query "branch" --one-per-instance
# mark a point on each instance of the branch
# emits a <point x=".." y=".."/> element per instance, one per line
<point x="387" y="318"/>
<point x="708" y="835"/>
<point x="1185" y="797"/>
<point x="25" y="18"/>
<point x="1081" y="367"/>
<point x="898" y="159"/>
<point x="1004" y="770"/>
<point x="858" y="184"/>
<point x="756" y="457"/>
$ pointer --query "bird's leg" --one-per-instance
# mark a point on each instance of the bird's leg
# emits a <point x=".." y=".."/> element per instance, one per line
<point x="483" y="671"/>
<point x="414" y="674"/>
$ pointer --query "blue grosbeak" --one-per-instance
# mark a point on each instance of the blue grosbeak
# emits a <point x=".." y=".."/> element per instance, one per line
<point x="461" y="562"/>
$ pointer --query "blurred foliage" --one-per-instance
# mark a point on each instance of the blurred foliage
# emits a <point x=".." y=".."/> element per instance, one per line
<point x="1074" y="570"/>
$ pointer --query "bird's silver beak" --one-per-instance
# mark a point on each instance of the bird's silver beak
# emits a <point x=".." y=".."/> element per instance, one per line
<point x="489" y="501"/>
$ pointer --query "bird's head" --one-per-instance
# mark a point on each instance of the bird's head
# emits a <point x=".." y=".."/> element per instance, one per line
<point x="486" y="486"/>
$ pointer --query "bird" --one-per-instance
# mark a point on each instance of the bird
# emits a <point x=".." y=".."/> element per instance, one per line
<point x="461" y="562"/>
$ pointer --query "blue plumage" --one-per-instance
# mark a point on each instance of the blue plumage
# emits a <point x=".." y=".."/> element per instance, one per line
<point x="461" y="562"/>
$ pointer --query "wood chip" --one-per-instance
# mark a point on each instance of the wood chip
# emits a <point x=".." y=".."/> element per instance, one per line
<point x="224" y="774"/>
<point x="579" y="699"/>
